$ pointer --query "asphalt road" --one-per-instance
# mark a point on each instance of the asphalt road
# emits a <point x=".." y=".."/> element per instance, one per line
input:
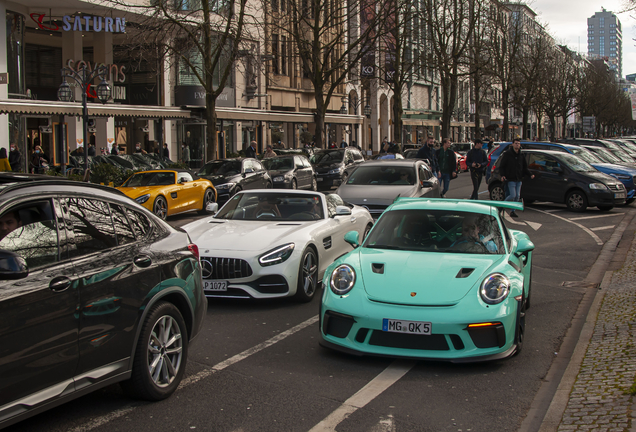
<point x="257" y="366"/>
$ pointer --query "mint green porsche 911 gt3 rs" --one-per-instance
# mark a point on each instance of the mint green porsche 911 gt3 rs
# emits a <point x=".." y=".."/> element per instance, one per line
<point x="435" y="279"/>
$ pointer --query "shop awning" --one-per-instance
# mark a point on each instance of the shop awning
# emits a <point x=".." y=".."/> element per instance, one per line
<point x="21" y="106"/>
<point x="282" y="116"/>
<point x="420" y="122"/>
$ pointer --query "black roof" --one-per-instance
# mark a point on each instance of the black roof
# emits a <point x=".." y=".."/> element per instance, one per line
<point x="8" y="187"/>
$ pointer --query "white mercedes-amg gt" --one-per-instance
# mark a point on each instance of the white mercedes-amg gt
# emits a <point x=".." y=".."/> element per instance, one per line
<point x="266" y="244"/>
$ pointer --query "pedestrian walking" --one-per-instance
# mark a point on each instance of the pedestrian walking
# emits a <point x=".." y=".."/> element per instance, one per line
<point x="250" y="152"/>
<point x="39" y="161"/>
<point x="166" y="152"/>
<point x="343" y="144"/>
<point x="138" y="149"/>
<point x="91" y="150"/>
<point x="185" y="155"/>
<point x="4" y="160"/>
<point x="427" y="151"/>
<point x="447" y="165"/>
<point x="476" y="161"/>
<point x="269" y="152"/>
<point x="15" y="158"/>
<point x="114" y="149"/>
<point x="513" y="167"/>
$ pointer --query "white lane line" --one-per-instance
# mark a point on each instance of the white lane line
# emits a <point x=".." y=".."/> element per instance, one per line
<point x="100" y="421"/>
<point x="596" y="217"/>
<point x="511" y="220"/>
<point x="248" y="352"/>
<point x="366" y="394"/>
<point x="596" y="238"/>
<point x="535" y="225"/>
<point x="603" y="228"/>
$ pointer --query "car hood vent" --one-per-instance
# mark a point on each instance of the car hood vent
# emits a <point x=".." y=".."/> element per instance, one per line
<point x="377" y="268"/>
<point x="216" y="221"/>
<point x="288" y="224"/>
<point x="464" y="273"/>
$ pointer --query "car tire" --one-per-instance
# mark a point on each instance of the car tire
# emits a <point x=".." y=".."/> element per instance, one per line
<point x="159" y="347"/>
<point x="576" y="201"/>
<point x="160" y="208"/>
<point x="208" y="197"/>
<point x="294" y="184"/>
<point x="605" y="208"/>
<point x="314" y="184"/>
<point x="497" y="192"/>
<point x="520" y="327"/>
<point x="529" y="289"/>
<point x="307" y="276"/>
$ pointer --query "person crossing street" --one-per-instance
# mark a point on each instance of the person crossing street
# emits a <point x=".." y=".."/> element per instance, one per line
<point x="447" y="164"/>
<point x="512" y="168"/>
<point x="476" y="161"/>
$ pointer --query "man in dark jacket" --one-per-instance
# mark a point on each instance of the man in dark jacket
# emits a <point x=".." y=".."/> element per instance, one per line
<point x="427" y="151"/>
<point x="513" y="166"/>
<point x="250" y="152"/>
<point x="447" y="164"/>
<point x="15" y="159"/>
<point x="476" y="161"/>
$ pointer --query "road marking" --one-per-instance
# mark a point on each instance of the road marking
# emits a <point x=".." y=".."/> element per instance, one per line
<point x="366" y="394"/>
<point x="596" y="238"/>
<point x="534" y="225"/>
<point x="511" y="220"/>
<point x="596" y="217"/>
<point x="100" y="421"/>
<point x="603" y="228"/>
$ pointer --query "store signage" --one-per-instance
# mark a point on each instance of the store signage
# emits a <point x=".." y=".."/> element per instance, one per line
<point x="83" y="23"/>
<point x="114" y="72"/>
<point x="195" y="96"/>
<point x="4" y="78"/>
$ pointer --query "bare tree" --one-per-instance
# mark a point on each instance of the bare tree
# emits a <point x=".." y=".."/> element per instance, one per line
<point x="559" y="88"/>
<point x="329" y="39"/>
<point x="201" y="38"/>
<point x="449" y="25"/>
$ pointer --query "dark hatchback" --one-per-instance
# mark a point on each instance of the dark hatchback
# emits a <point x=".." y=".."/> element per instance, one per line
<point x="563" y="178"/>
<point x="94" y="290"/>
<point x="333" y="166"/>
<point x="291" y="172"/>
<point x="230" y="176"/>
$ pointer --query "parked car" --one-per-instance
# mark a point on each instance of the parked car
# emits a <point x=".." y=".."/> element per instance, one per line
<point x="266" y="244"/>
<point x="617" y="150"/>
<point x="333" y="166"/>
<point x="95" y="290"/>
<point x="376" y="184"/>
<point x="607" y="155"/>
<point x="380" y="156"/>
<point x="563" y="178"/>
<point x="291" y="172"/>
<point x="169" y="192"/>
<point x="231" y="176"/>
<point x="470" y="305"/>
<point x="461" y="148"/>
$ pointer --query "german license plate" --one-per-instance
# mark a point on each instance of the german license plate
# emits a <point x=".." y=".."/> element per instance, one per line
<point x="215" y="285"/>
<point x="410" y="327"/>
<point x="619" y="195"/>
<point x="319" y="179"/>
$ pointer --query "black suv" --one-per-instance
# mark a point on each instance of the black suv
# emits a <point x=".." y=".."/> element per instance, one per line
<point x="333" y="166"/>
<point x="94" y="290"/>
<point x="563" y="178"/>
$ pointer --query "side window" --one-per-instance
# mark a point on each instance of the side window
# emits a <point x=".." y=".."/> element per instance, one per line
<point x="306" y="163"/>
<point x="537" y="162"/>
<point x="30" y="230"/>
<point x="424" y="174"/>
<point x="298" y="162"/>
<point x="139" y="223"/>
<point x="257" y="166"/>
<point x="358" y="156"/>
<point x="184" y="176"/>
<point x="247" y="165"/>
<point x="123" y="231"/>
<point x="91" y="225"/>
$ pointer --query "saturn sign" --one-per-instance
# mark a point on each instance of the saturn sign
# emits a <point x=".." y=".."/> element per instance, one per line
<point x="82" y="23"/>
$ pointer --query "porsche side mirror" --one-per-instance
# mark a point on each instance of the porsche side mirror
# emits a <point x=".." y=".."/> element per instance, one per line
<point x="343" y="211"/>
<point x="212" y="208"/>
<point x="524" y="245"/>
<point x="12" y="266"/>
<point x="353" y="238"/>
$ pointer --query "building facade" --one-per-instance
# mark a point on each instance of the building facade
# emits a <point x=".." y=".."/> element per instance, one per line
<point x="605" y="39"/>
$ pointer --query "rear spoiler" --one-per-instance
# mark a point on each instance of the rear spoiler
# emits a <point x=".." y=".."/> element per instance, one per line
<point x="501" y="205"/>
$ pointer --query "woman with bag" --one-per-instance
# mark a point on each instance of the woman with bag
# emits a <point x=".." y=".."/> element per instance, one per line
<point x="39" y="161"/>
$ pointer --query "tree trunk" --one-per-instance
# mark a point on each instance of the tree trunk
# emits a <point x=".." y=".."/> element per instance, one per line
<point x="319" y="120"/>
<point x="210" y="116"/>
<point x="506" y="120"/>
<point x="477" y="98"/>
<point x="553" y="128"/>
<point x="397" y="118"/>
<point x="525" y="115"/>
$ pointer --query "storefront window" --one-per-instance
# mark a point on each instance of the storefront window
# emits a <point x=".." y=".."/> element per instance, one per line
<point x="15" y="54"/>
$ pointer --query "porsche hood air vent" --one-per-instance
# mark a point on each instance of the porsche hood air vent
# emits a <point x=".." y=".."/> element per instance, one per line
<point x="464" y="273"/>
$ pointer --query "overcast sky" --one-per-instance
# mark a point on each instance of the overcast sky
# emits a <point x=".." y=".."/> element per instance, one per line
<point x="567" y="22"/>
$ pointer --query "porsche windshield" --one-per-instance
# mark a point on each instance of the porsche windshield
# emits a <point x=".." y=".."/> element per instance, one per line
<point x="223" y="168"/>
<point x="273" y="206"/>
<point x="150" y="179"/>
<point x="437" y="231"/>
<point x="383" y="176"/>
<point x="328" y="156"/>
<point x="279" y="164"/>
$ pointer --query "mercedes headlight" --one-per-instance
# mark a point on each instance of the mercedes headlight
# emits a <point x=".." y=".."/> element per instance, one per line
<point x="495" y="288"/>
<point x="277" y="255"/>
<point x="335" y="171"/>
<point x="142" y="199"/>
<point x="225" y="186"/>
<point x="342" y="279"/>
<point x="598" y="186"/>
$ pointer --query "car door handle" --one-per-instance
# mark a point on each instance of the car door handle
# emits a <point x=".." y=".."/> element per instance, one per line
<point x="353" y="219"/>
<point x="142" y="261"/>
<point x="59" y="284"/>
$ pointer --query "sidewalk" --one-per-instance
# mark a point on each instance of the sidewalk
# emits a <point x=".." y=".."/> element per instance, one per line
<point x="603" y="396"/>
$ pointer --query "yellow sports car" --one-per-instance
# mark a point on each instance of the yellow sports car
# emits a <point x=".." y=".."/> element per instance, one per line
<point x="168" y="192"/>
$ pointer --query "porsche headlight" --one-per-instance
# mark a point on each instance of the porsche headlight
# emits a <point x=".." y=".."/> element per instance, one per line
<point x="342" y="279"/>
<point x="495" y="288"/>
<point x="142" y="199"/>
<point x="276" y="256"/>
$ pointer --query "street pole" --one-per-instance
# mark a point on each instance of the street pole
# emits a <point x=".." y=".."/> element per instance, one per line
<point x="85" y="122"/>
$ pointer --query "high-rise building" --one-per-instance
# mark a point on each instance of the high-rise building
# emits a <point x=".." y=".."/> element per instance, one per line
<point x="605" y="39"/>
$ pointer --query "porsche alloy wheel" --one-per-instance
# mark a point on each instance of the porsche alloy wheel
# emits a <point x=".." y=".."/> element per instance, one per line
<point x="160" y="208"/>
<point x="307" y="276"/>
<point x="520" y="326"/>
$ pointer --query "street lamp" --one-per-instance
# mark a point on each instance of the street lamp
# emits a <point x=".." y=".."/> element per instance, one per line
<point x="84" y="79"/>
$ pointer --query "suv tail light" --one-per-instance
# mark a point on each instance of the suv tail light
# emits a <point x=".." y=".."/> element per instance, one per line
<point x="194" y="249"/>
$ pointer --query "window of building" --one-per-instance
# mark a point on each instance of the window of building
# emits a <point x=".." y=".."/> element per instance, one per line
<point x="275" y="54"/>
<point x="601" y="22"/>
<point x="283" y="56"/>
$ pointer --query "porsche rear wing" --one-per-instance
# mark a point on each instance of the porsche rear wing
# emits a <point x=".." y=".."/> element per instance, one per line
<point x="500" y="205"/>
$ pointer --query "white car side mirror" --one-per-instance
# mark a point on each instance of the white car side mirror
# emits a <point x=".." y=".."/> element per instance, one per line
<point x="343" y="211"/>
<point x="212" y="208"/>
